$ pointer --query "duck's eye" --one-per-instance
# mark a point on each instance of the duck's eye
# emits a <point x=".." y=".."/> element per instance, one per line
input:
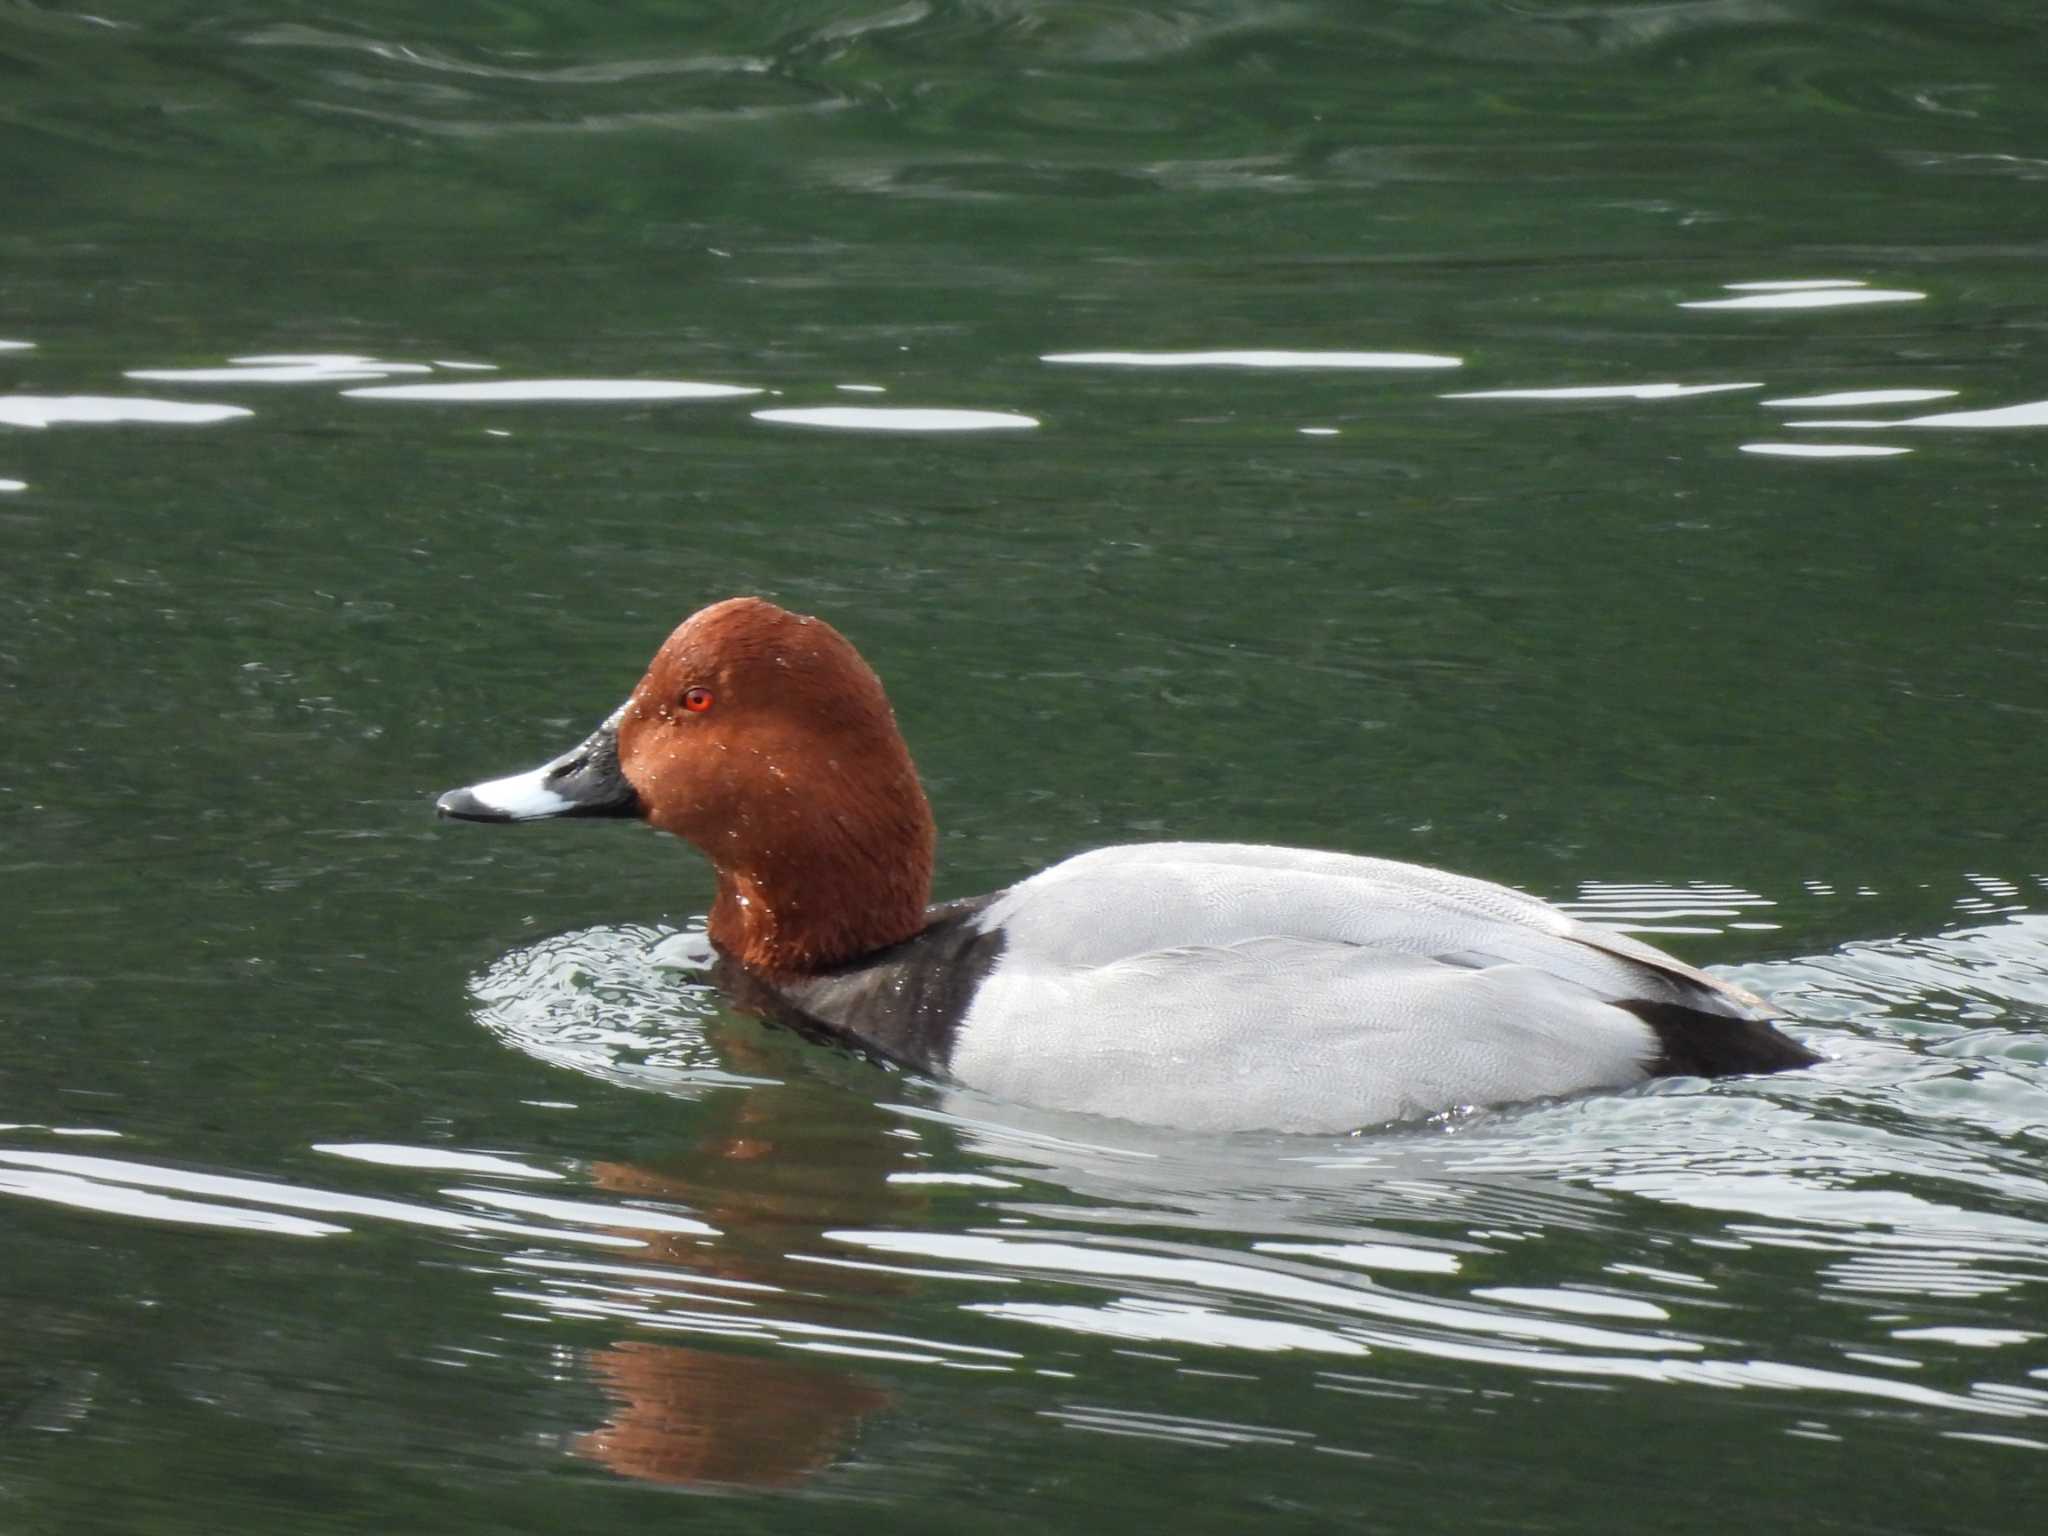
<point x="697" y="700"/>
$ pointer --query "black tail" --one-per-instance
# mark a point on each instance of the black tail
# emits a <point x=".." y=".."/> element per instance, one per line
<point x="1691" y="1043"/>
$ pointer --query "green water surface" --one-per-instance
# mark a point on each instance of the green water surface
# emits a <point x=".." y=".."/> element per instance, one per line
<point x="364" y="1173"/>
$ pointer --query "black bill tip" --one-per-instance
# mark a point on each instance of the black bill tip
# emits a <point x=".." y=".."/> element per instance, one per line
<point x="463" y="805"/>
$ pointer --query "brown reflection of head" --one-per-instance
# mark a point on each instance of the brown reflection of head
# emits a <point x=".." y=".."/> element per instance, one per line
<point x="698" y="1416"/>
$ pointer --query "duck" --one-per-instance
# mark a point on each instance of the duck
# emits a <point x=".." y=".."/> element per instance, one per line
<point x="1210" y="987"/>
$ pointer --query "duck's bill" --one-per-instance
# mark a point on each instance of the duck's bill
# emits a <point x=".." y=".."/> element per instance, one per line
<point x="584" y="781"/>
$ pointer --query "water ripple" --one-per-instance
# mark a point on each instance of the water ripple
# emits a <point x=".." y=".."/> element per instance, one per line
<point x="611" y="1003"/>
<point x="601" y="72"/>
<point x="1868" y="1166"/>
<point x="133" y="1188"/>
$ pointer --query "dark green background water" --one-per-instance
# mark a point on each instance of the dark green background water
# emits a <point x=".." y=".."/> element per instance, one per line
<point x="1590" y="647"/>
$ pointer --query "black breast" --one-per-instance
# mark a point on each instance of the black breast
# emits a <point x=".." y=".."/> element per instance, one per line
<point x="903" y="1004"/>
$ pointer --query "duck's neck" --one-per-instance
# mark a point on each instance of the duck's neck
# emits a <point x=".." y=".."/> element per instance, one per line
<point x="829" y="899"/>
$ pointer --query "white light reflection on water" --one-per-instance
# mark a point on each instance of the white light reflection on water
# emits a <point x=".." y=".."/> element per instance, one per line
<point x="1823" y="450"/>
<point x="16" y="346"/>
<point x="1371" y="1256"/>
<point x="1518" y="1341"/>
<point x="661" y="1309"/>
<point x="626" y="1217"/>
<point x="507" y="391"/>
<point x="92" y="1132"/>
<point x="1168" y="1322"/>
<point x="2034" y="413"/>
<point x="1589" y="1303"/>
<point x="432" y="1159"/>
<point x="2015" y="1442"/>
<point x="1855" y="397"/>
<point x="1831" y="297"/>
<point x="120" y="1200"/>
<point x="111" y="1184"/>
<point x="1639" y="907"/>
<point x="1173" y="1428"/>
<point x="590" y="72"/>
<point x="903" y="418"/>
<point x="101" y="410"/>
<point x="13" y="485"/>
<point x="662" y="1274"/>
<point x="1256" y="358"/>
<point x="1969" y="1338"/>
<point x="282" y="368"/>
<point x="1602" y="392"/>
<point x="1269" y="1280"/>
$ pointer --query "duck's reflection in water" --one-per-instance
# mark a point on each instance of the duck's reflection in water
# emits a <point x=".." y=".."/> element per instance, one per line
<point x="746" y="1419"/>
<point x="698" y="1416"/>
<point x="767" y="1170"/>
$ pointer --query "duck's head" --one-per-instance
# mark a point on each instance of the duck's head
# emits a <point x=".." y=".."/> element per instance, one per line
<point x="761" y="737"/>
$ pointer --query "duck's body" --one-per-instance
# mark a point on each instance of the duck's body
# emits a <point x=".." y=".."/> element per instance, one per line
<point x="1224" y="987"/>
<point x="1210" y="986"/>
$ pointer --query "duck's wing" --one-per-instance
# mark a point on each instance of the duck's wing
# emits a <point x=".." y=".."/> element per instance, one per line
<point x="1116" y="903"/>
<point x="1288" y="1034"/>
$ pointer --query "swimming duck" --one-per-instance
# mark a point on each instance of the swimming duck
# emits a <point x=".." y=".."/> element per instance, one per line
<point x="1209" y="986"/>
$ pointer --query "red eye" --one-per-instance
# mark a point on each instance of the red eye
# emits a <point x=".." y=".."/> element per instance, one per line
<point x="697" y="700"/>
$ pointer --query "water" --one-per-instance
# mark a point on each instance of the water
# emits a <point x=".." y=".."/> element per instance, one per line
<point x="362" y="1172"/>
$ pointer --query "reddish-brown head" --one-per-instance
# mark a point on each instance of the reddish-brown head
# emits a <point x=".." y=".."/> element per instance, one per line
<point x="763" y="738"/>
